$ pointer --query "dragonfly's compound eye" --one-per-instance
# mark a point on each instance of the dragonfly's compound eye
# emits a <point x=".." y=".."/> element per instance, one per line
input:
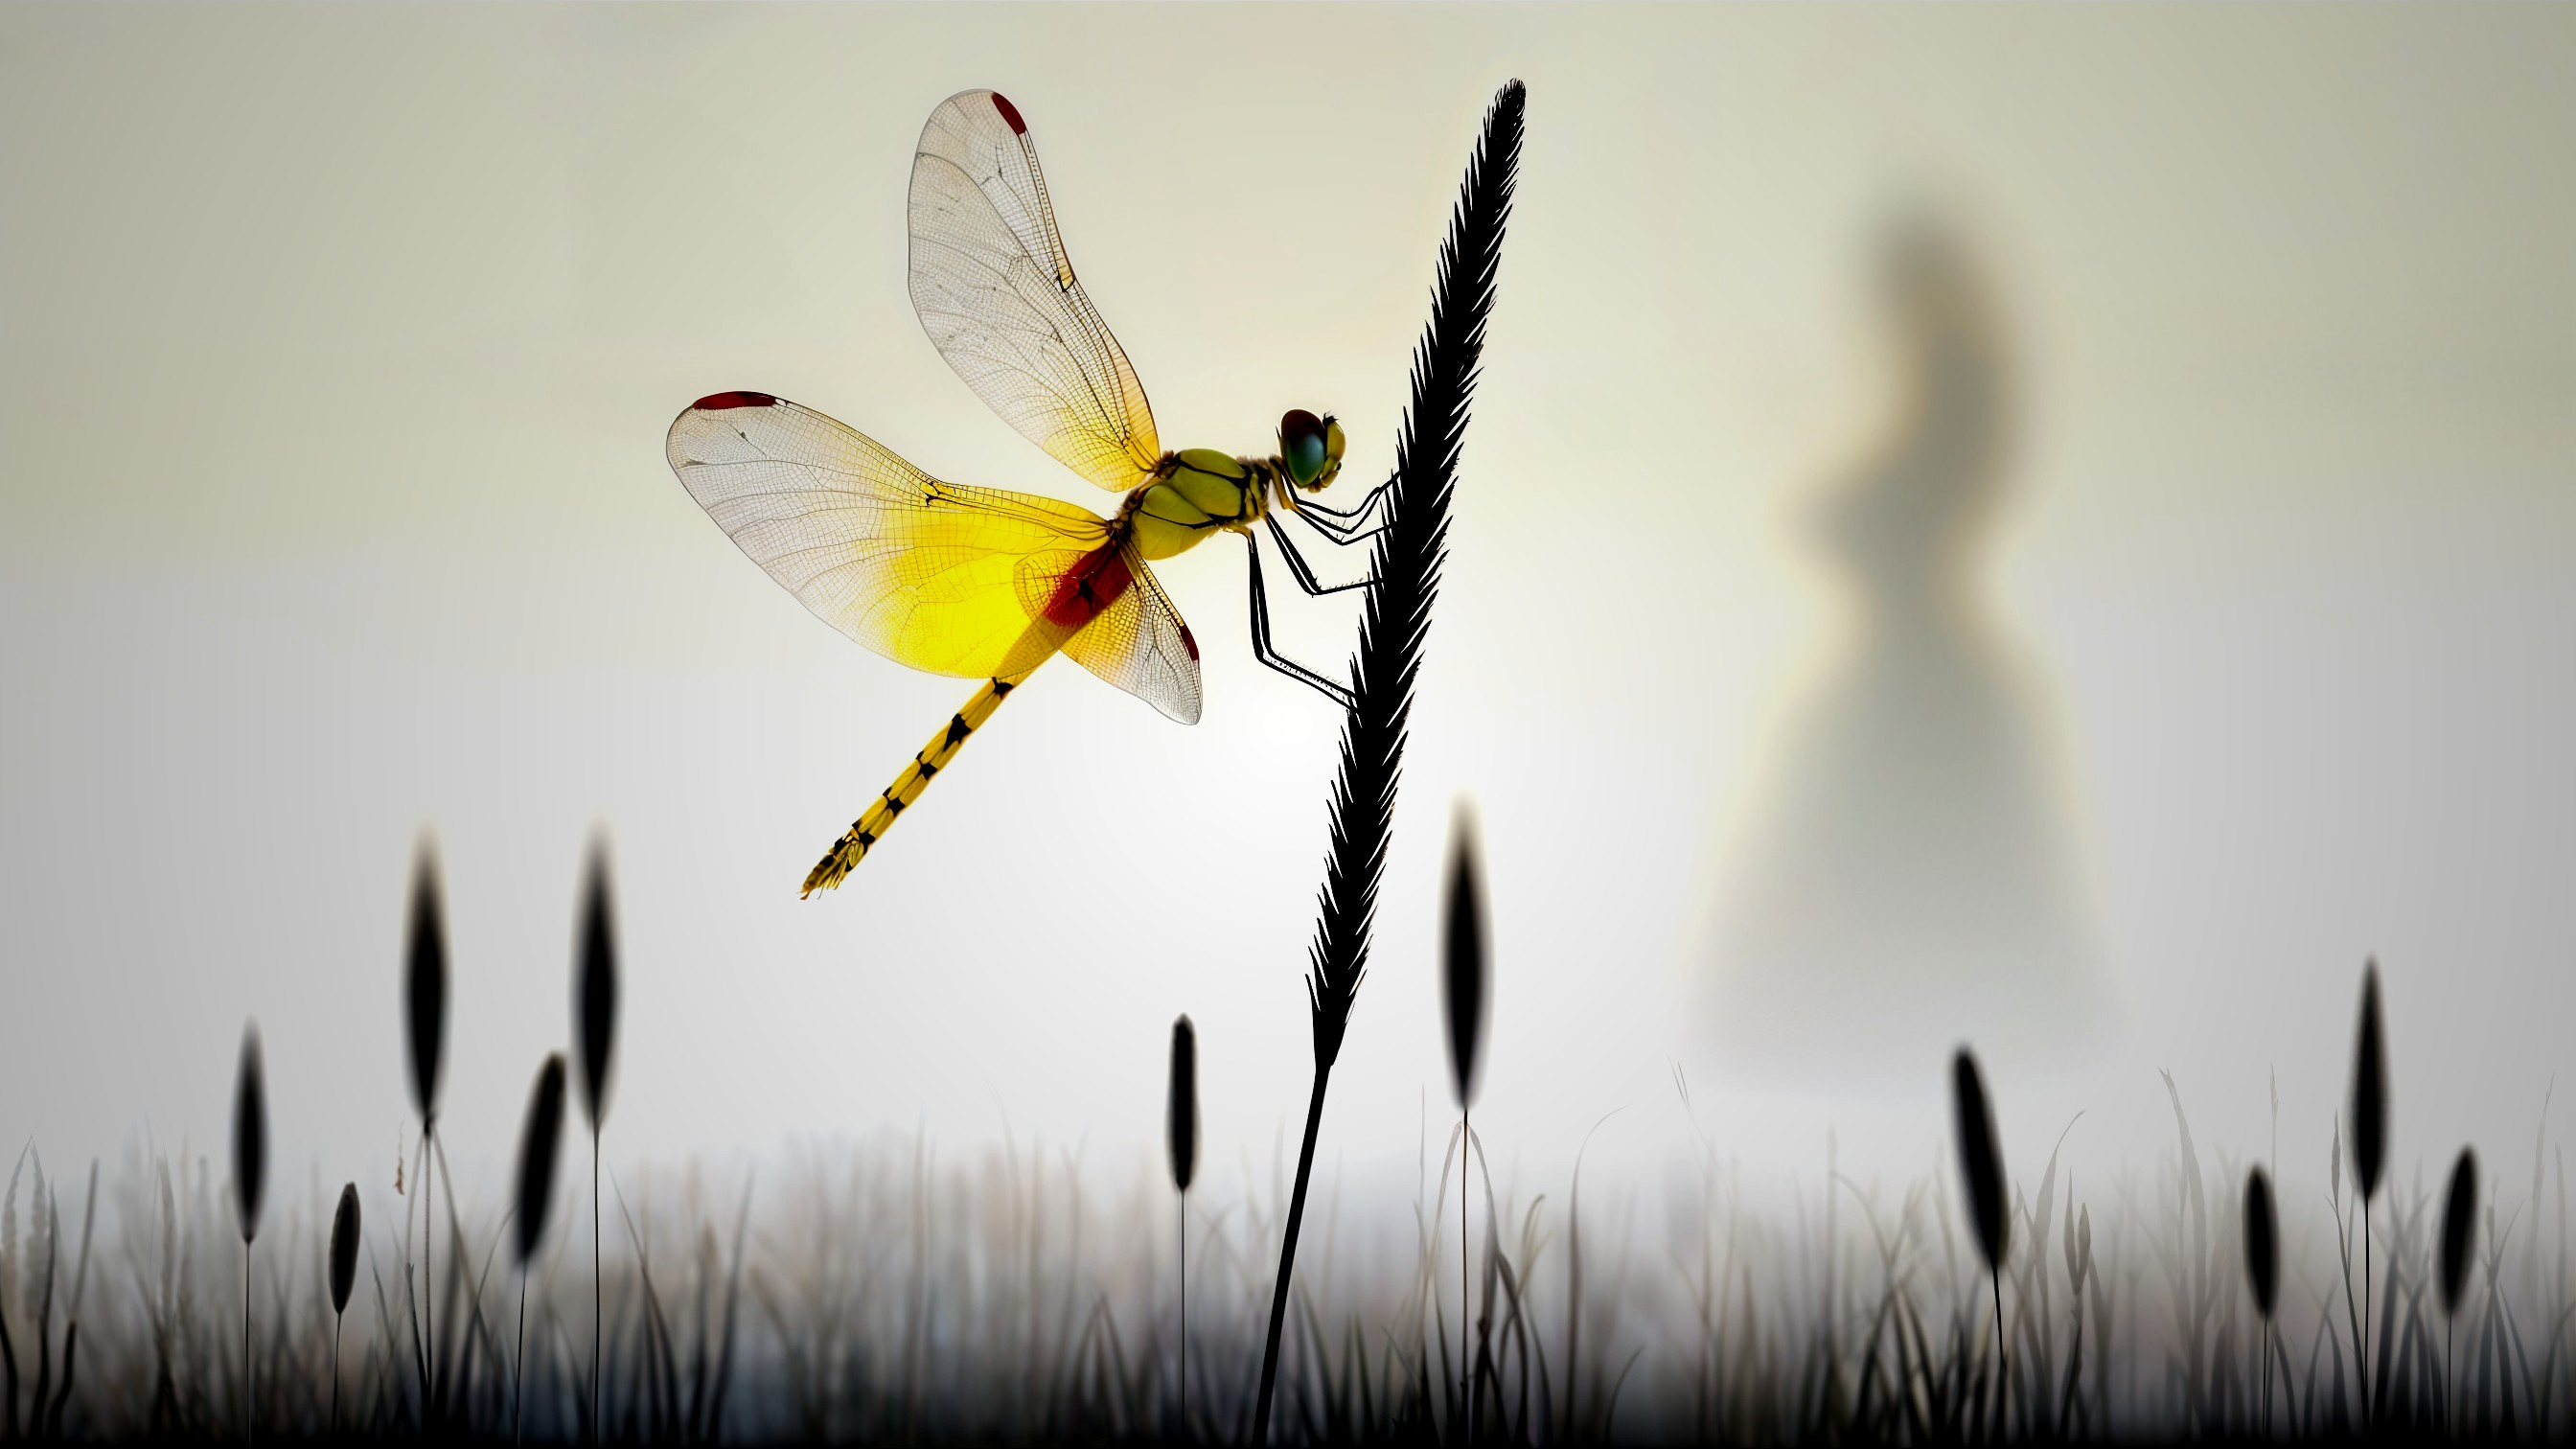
<point x="1304" y="445"/>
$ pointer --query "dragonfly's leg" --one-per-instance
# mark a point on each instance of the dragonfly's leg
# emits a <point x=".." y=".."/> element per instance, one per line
<point x="1261" y="649"/>
<point x="1305" y="573"/>
<point x="1375" y="497"/>
<point x="1341" y="534"/>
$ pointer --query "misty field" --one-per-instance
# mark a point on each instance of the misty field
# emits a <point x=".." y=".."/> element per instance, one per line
<point x="881" y="1293"/>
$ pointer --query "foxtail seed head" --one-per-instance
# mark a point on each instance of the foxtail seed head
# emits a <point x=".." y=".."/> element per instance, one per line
<point x="2369" y="1088"/>
<point x="2262" y="1243"/>
<point x="537" y="1155"/>
<point x="250" y="1133"/>
<point x="1466" y="978"/>
<point x="595" y="986"/>
<point x="2459" y="1229"/>
<point x="1981" y="1163"/>
<point x="425" y="980"/>
<point x="344" y="1248"/>
<point x="1181" y="1113"/>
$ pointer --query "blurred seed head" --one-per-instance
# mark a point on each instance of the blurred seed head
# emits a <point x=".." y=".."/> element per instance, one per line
<point x="425" y="979"/>
<point x="2262" y="1243"/>
<point x="2459" y="1229"/>
<point x="537" y="1141"/>
<point x="250" y="1133"/>
<point x="1181" y="1115"/>
<point x="1465" y="987"/>
<point x="2369" y="1088"/>
<point x="344" y="1248"/>
<point x="595" y="985"/>
<point x="1981" y="1163"/>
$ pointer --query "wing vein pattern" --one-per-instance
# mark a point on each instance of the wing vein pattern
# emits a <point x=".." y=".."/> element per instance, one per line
<point x="996" y="292"/>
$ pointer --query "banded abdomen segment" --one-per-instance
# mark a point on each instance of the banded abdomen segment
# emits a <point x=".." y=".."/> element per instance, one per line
<point x="891" y="802"/>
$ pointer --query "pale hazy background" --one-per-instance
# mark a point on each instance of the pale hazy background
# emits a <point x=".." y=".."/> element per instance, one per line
<point x="337" y="345"/>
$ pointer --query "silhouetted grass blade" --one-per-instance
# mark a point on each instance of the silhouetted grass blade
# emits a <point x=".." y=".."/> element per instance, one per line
<point x="1181" y="1115"/>
<point x="425" y="981"/>
<point x="2262" y="1245"/>
<point x="2369" y="1088"/>
<point x="2459" y="1228"/>
<point x="250" y="1133"/>
<point x="537" y="1143"/>
<point x="1465" y="976"/>
<point x="344" y="1248"/>
<point x="1404" y="568"/>
<point x="595" y="987"/>
<point x="1981" y="1164"/>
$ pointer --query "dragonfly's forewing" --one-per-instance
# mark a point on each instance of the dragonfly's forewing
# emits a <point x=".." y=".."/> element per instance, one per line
<point x="996" y="292"/>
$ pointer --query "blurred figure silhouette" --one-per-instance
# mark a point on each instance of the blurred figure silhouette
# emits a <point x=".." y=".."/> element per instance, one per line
<point x="1913" y="881"/>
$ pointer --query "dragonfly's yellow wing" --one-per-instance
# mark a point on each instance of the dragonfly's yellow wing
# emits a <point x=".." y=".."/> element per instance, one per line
<point x="942" y="577"/>
<point x="997" y="295"/>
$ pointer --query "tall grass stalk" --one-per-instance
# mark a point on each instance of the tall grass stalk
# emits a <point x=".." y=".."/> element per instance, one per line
<point x="594" y="1042"/>
<point x="538" y="1141"/>
<point x="1465" y="995"/>
<point x="2262" y="1271"/>
<point x="1181" y="1135"/>
<point x="344" y="1276"/>
<point x="2459" y="1230"/>
<point x="425" y="1043"/>
<point x="250" y="1179"/>
<point x="2369" y="1155"/>
<point x="1981" y="1167"/>
<point x="1405" y="573"/>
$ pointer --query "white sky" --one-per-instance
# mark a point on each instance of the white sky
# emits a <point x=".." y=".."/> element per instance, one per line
<point x="337" y="346"/>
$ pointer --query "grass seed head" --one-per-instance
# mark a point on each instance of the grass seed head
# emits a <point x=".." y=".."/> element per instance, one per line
<point x="344" y="1248"/>
<point x="425" y="980"/>
<point x="1981" y="1162"/>
<point x="1465" y="980"/>
<point x="2369" y="1088"/>
<point x="595" y="987"/>
<point x="537" y="1155"/>
<point x="2459" y="1229"/>
<point x="250" y="1133"/>
<point x="2262" y="1243"/>
<point x="1181" y="1116"/>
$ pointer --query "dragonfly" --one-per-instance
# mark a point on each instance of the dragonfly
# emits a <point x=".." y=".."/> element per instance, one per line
<point x="981" y="583"/>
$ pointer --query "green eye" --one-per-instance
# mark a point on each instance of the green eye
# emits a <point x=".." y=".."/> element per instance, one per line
<point x="1301" y="445"/>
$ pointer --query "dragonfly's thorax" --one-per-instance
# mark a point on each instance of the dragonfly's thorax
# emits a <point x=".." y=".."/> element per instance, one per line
<point x="1197" y="493"/>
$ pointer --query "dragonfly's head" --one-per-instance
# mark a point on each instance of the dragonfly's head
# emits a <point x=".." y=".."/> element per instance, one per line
<point x="1311" y="447"/>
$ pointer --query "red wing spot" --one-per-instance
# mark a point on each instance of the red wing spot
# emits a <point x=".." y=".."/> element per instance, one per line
<point x="1010" y="113"/>
<point x="1189" y="643"/>
<point x="717" y="402"/>
<point x="1089" y="587"/>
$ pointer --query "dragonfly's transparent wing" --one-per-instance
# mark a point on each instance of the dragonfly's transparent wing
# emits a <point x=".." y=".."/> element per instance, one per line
<point x="997" y="295"/>
<point x="1140" y="644"/>
<point x="944" y="578"/>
